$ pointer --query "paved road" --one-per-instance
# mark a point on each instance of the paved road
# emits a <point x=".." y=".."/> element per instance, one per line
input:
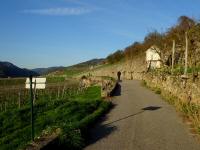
<point x="141" y="120"/>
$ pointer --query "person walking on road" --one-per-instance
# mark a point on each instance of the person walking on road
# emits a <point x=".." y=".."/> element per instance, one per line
<point x="118" y="75"/>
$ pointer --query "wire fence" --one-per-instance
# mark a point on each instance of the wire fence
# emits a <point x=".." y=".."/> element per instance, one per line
<point x="16" y="96"/>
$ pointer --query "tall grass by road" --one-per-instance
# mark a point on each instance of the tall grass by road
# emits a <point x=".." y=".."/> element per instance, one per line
<point x="190" y="111"/>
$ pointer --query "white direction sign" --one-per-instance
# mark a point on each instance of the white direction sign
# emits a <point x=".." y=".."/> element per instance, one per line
<point x="40" y="83"/>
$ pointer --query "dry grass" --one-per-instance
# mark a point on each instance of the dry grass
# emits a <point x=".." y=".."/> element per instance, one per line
<point x="189" y="111"/>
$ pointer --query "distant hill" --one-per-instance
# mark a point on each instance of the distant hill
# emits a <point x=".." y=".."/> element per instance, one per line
<point x="44" y="71"/>
<point x="8" y="69"/>
<point x="89" y="63"/>
<point x="78" y="68"/>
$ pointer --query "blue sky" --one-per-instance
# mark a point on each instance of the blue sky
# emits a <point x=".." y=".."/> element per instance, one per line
<point x="43" y="33"/>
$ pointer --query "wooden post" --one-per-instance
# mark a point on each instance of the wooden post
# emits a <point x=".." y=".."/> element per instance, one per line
<point x="50" y="93"/>
<point x="58" y="96"/>
<point x="1" y="107"/>
<point x="19" y="100"/>
<point x="31" y="101"/>
<point x="34" y="93"/>
<point x="5" y="105"/>
<point x="173" y="52"/>
<point x="131" y="75"/>
<point x="149" y="65"/>
<point x="186" y="54"/>
<point x="63" y="92"/>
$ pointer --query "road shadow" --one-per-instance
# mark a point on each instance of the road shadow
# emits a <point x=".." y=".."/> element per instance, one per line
<point x="116" y="91"/>
<point x="100" y="131"/>
<point x="151" y="108"/>
<point x="126" y="117"/>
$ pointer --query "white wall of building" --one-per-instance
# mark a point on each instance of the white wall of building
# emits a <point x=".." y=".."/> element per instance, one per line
<point x="153" y="58"/>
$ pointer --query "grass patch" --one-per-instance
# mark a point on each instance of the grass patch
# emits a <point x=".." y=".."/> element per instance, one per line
<point x="55" y="79"/>
<point x="108" y="78"/>
<point x="73" y="72"/>
<point x="144" y="83"/>
<point x="12" y="81"/>
<point x="157" y="90"/>
<point x="71" y="115"/>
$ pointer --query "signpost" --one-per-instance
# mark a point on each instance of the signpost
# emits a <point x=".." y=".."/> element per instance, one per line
<point x="173" y="52"/>
<point x="36" y="83"/>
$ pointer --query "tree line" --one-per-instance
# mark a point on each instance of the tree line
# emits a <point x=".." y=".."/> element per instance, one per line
<point x="164" y="41"/>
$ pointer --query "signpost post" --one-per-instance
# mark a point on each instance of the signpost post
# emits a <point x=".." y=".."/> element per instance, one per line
<point x="32" y="115"/>
<point x="34" y="83"/>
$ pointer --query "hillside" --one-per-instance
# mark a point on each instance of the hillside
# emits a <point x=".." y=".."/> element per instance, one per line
<point x="131" y="60"/>
<point x="92" y="62"/>
<point x="8" y="69"/>
<point x="44" y="71"/>
<point x="78" y="68"/>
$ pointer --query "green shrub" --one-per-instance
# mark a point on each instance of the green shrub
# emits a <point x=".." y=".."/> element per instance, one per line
<point x="144" y="83"/>
<point x="158" y="91"/>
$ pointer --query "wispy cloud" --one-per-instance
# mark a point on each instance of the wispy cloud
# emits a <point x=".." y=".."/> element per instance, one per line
<point x="78" y="2"/>
<point x="58" y="11"/>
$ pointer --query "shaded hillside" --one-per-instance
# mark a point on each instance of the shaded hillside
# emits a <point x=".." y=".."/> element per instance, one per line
<point x="7" y="69"/>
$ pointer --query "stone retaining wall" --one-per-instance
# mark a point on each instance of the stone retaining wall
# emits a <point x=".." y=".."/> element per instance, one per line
<point x="187" y="91"/>
<point x="107" y="84"/>
<point x="136" y="69"/>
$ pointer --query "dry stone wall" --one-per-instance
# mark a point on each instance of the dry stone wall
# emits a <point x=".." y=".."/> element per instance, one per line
<point x="187" y="91"/>
<point x="136" y="69"/>
<point x="107" y="84"/>
<point x="131" y="69"/>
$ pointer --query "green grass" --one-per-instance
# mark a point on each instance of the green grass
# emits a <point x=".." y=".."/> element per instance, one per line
<point x="177" y="70"/>
<point x="108" y="78"/>
<point x="21" y="81"/>
<point x="144" y="83"/>
<point x="103" y="66"/>
<point x="55" y="79"/>
<point x="91" y="94"/>
<point x="56" y="87"/>
<point x="12" y="81"/>
<point x="72" y="115"/>
<point x="72" y="72"/>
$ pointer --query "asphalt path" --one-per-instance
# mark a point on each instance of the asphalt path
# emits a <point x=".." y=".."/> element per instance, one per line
<point x="140" y="120"/>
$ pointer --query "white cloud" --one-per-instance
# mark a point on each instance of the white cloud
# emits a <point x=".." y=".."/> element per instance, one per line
<point x="78" y="2"/>
<point x="58" y="11"/>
